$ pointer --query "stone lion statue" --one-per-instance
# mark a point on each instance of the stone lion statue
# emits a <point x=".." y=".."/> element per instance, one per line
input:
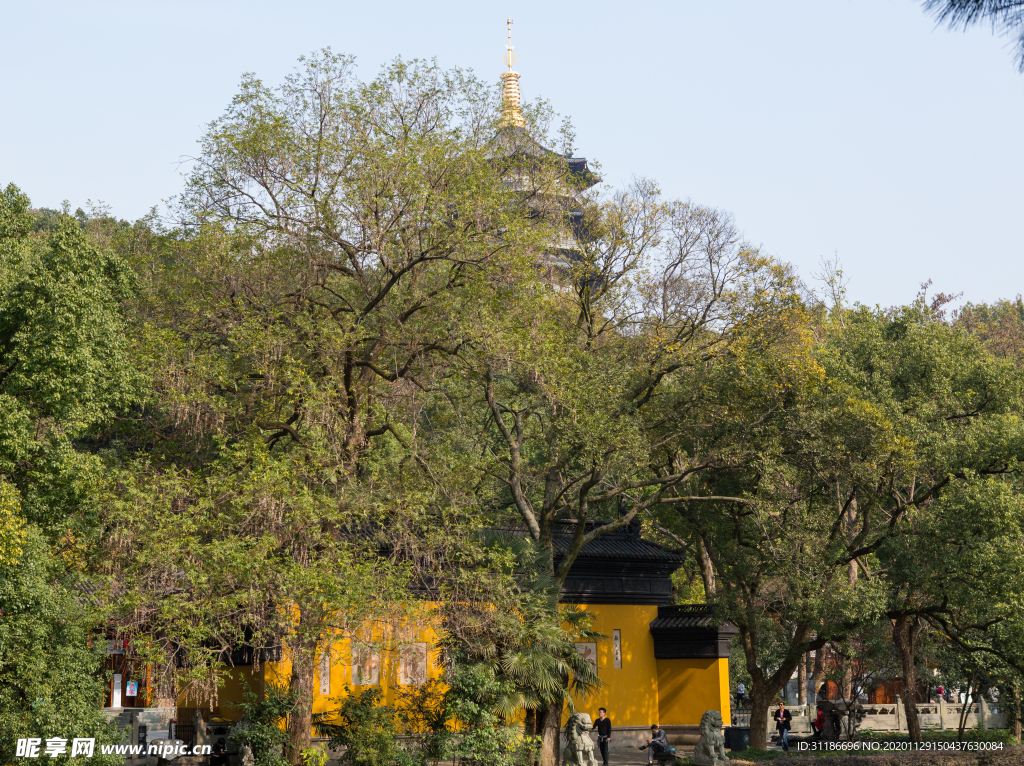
<point x="579" y="748"/>
<point x="247" y="757"/>
<point x="710" y="749"/>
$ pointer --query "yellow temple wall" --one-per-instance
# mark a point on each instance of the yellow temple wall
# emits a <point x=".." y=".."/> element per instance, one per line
<point x="688" y="688"/>
<point x="341" y="671"/>
<point x="643" y="691"/>
<point x="236" y="680"/>
<point x="629" y="693"/>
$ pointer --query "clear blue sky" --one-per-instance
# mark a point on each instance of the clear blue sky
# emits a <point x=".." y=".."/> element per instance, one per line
<point x="848" y="126"/>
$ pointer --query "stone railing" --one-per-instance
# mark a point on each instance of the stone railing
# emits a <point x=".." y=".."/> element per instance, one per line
<point x="891" y="716"/>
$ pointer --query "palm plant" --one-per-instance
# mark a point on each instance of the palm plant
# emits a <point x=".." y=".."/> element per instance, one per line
<point x="527" y="643"/>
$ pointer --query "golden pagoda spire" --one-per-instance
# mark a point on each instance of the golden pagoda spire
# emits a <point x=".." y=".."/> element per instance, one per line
<point x="510" y="114"/>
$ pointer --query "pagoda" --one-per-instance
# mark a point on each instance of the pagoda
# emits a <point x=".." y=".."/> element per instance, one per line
<point x="514" y="145"/>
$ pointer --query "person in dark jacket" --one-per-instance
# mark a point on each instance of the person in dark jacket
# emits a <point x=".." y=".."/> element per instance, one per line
<point x="658" y="743"/>
<point x="220" y="753"/>
<point x="603" y="726"/>
<point x="783" y="721"/>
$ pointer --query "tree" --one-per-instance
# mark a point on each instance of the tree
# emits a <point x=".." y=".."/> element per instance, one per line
<point x="560" y="399"/>
<point x="959" y="405"/>
<point x="51" y="673"/>
<point x="64" y="367"/>
<point x="64" y="377"/>
<point x="1005" y="16"/>
<point x="765" y="513"/>
<point x="999" y="326"/>
<point x="573" y="386"/>
<point x="957" y="574"/>
<point x="512" y="634"/>
<point x="822" y="459"/>
<point x="332" y="229"/>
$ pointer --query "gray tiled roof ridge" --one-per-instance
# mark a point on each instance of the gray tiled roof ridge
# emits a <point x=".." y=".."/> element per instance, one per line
<point x="623" y="543"/>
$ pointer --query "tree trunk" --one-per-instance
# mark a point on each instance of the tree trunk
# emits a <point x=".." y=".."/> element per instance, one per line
<point x="530" y="722"/>
<point x="1017" y="711"/>
<point x="764" y="689"/>
<point x="819" y="672"/>
<point x="904" y="634"/>
<point x="760" y="701"/>
<point x="707" y="571"/>
<point x="965" y="707"/>
<point x="851" y="575"/>
<point x="550" y="722"/>
<point x="300" y="721"/>
<point x="847" y="690"/>
<point x="801" y="682"/>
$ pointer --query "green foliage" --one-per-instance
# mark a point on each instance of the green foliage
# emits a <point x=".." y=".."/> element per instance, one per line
<point x="51" y="674"/>
<point x="273" y="462"/>
<point x="475" y="702"/>
<point x="999" y="326"/>
<point x="12" y="525"/>
<point x="315" y="756"/>
<point x="461" y="723"/>
<point x="65" y="373"/>
<point x="367" y="729"/>
<point x="422" y="714"/>
<point x="261" y="730"/>
<point x="687" y="586"/>
<point x="64" y="360"/>
<point x="738" y="673"/>
<point x="853" y="437"/>
<point x="516" y="649"/>
<point x="361" y="351"/>
<point x="476" y="695"/>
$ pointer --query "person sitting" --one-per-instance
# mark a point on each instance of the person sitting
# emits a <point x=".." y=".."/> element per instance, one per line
<point x="220" y="753"/>
<point x="656" y="745"/>
<point x="818" y="724"/>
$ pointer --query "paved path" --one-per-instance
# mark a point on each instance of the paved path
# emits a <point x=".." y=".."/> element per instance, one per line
<point x="639" y="757"/>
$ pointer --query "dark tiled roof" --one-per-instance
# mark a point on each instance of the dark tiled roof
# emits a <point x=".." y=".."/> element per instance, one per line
<point x="512" y="141"/>
<point x="622" y="544"/>
<point x="685" y="617"/>
<point x="690" y="631"/>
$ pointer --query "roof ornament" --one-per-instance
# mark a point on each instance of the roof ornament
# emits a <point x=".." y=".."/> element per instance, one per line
<point x="510" y="57"/>
<point x="510" y="114"/>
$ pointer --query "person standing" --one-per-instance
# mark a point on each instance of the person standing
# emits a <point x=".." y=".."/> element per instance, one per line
<point x="783" y="720"/>
<point x="603" y="725"/>
<point x="741" y="693"/>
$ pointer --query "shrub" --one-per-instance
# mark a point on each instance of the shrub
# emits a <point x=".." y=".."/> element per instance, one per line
<point x="481" y="735"/>
<point x="367" y="729"/>
<point x="260" y="728"/>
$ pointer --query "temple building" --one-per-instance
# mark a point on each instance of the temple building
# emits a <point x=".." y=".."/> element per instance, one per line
<point x="559" y="196"/>
<point x="658" y="663"/>
<point x="661" y="663"/>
